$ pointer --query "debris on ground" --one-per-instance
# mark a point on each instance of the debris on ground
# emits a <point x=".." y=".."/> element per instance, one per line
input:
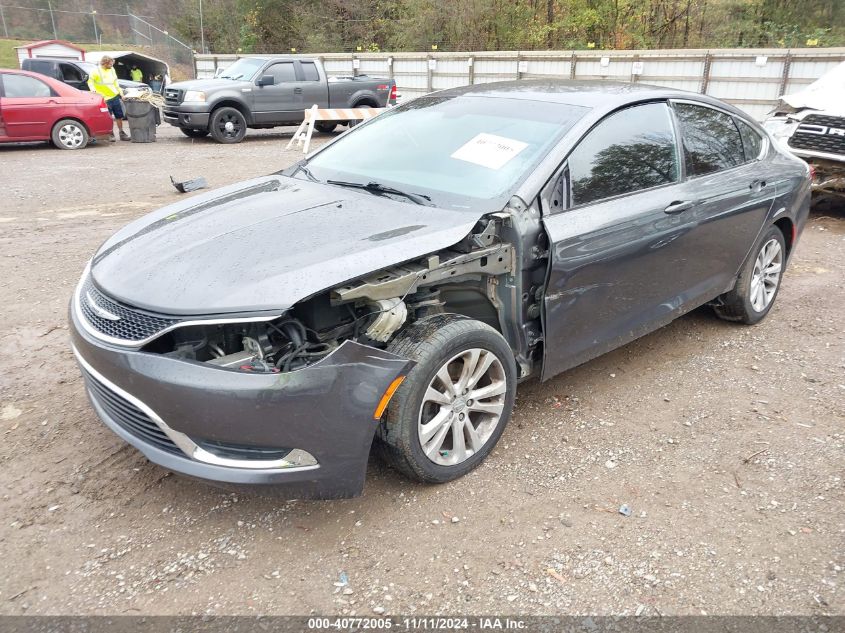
<point x="193" y="184"/>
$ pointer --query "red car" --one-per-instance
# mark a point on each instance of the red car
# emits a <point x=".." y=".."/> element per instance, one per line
<point x="34" y="107"/>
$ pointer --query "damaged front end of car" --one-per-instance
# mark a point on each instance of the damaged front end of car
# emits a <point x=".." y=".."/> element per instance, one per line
<point x="291" y="399"/>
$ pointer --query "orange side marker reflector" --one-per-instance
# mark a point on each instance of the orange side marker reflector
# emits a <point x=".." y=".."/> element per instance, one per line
<point x="388" y="394"/>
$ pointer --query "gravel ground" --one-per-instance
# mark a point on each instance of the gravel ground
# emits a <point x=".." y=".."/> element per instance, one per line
<point x="726" y="442"/>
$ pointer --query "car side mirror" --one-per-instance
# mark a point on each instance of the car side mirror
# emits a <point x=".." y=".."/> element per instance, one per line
<point x="84" y="76"/>
<point x="266" y="80"/>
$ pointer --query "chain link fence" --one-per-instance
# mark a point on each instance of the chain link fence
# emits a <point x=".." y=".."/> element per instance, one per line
<point x="103" y="29"/>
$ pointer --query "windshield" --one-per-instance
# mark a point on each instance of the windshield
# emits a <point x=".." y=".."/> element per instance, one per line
<point x="244" y="68"/>
<point x="459" y="151"/>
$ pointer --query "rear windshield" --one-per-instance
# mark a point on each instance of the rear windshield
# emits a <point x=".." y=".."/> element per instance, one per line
<point x="459" y="151"/>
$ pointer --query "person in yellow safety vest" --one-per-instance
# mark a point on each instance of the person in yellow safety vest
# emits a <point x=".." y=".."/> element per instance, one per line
<point x="135" y="74"/>
<point x="103" y="81"/>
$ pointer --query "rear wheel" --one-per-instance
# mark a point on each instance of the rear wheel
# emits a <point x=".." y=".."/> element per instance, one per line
<point x="453" y="406"/>
<point x="325" y="127"/>
<point x="228" y="125"/>
<point x="758" y="283"/>
<point x="194" y="133"/>
<point x="357" y="121"/>
<point x="69" y="134"/>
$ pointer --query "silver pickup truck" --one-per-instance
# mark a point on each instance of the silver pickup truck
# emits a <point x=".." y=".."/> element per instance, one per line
<point x="266" y="92"/>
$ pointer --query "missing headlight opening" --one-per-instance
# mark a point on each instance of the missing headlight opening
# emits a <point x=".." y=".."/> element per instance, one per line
<point x="299" y="338"/>
<point x="369" y="311"/>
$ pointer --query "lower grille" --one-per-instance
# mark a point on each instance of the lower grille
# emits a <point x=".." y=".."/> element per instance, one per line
<point x="129" y="417"/>
<point x="822" y="134"/>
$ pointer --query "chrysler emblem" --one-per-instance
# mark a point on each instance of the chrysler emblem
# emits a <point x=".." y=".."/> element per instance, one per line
<point x="100" y="312"/>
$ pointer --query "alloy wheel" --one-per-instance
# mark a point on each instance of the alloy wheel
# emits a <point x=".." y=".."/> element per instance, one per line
<point x="462" y="406"/>
<point x="229" y="125"/>
<point x="765" y="277"/>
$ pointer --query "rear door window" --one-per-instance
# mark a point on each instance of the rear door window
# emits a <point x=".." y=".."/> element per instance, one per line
<point x="631" y="150"/>
<point x="752" y="142"/>
<point x="23" y="87"/>
<point x="309" y="71"/>
<point x="282" y="72"/>
<point x="43" y="67"/>
<point x="711" y="139"/>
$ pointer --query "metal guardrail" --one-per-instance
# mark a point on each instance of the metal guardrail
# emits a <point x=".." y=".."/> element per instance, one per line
<point x="752" y="79"/>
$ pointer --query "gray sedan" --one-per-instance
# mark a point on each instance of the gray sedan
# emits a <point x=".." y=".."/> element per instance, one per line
<point x="396" y="285"/>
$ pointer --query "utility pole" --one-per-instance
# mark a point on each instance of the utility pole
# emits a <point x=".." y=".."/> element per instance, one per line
<point x="94" y="18"/>
<point x="52" y="20"/>
<point x="202" y="32"/>
<point x="3" y="17"/>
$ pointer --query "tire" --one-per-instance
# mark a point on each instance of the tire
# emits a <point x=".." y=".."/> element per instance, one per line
<point x="759" y="281"/>
<point x="227" y="125"/>
<point x="69" y="134"/>
<point x="352" y="124"/>
<point x="193" y="133"/>
<point x="325" y="127"/>
<point x="447" y="342"/>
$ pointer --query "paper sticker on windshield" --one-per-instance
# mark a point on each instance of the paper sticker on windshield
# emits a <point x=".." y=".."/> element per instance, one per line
<point x="489" y="150"/>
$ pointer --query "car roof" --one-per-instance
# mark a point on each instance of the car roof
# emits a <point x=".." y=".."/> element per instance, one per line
<point x="598" y="96"/>
<point x="585" y="93"/>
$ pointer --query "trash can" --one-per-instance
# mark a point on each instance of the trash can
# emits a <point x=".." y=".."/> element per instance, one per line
<point x="142" y="120"/>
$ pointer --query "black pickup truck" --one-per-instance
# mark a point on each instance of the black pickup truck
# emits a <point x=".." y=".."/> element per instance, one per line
<point x="266" y="92"/>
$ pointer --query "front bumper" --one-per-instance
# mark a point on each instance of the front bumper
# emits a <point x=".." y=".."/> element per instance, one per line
<point x="325" y="410"/>
<point x="192" y="117"/>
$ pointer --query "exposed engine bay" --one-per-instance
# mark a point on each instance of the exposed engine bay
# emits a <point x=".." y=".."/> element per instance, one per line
<point x="485" y="277"/>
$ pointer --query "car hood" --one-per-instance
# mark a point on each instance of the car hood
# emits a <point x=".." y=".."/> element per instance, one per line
<point x="264" y="244"/>
<point x="209" y="84"/>
<point x="826" y="93"/>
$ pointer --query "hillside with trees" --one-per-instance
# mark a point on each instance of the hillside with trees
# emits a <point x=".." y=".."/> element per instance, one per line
<point x="413" y="25"/>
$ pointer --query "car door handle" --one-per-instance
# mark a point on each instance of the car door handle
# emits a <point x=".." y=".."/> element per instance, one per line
<point x="297" y="91"/>
<point x="757" y="185"/>
<point x="678" y="206"/>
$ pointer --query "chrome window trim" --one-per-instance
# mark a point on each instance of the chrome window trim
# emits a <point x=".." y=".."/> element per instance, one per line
<point x="119" y="342"/>
<point x="185" y="443"/>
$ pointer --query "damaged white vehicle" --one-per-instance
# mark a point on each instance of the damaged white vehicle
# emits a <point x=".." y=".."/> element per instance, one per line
<point x="811" y="124"/>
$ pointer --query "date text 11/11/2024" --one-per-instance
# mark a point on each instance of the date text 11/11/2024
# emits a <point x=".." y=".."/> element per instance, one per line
<point x="491" y="623"/>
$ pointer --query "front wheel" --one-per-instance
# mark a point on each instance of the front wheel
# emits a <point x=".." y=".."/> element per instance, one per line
<point x="453" y="406"/>
<point x="227" y="125"/>
<point x="758" y="282"/>
<point x="69" y="134"/>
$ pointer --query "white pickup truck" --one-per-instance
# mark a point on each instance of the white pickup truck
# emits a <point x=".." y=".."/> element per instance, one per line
<point x="811" y="125"/>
